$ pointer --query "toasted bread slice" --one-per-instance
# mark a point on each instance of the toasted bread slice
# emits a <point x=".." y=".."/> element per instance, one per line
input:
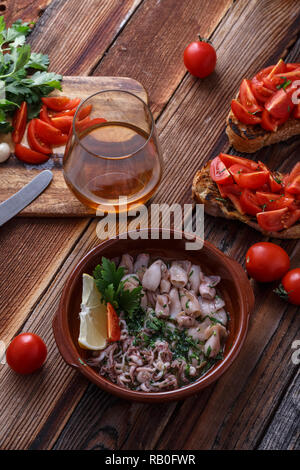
<point x="250" y="138"/>
<point x="205" y="191"/>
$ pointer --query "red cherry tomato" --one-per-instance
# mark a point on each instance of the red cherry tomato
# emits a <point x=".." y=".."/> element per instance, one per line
<point x="273" y="221"/>
<point x="289" y="288"/>
<point x="113" y="324"/>
<point x="280" y="105"/>
<point x="249" y="202"/>
<point x="247" y="97"/>
<point x="267" y="262"/>
<point x="219" y="172"/>
<point x="49" y="134"/>
<point x="230" y="160"/>
<point x="242" y="114"/>
<point x="26" y="353"/>
<point x="63" y="123"/>
<point x="60" y="103"/>
<point x="28" y="155"/>
<point x="200" y="58"/>
<point x="19" y="123"/>
<point x="34" y="142"/>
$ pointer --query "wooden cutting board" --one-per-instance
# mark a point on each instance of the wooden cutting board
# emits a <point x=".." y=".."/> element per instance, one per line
<point x="57" y="200"/>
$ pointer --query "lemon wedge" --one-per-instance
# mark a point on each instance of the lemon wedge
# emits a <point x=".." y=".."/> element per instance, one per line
<point x="93" y="317"/>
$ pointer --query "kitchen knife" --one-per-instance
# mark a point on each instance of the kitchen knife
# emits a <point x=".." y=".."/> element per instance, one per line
<point x="13" y="205"/>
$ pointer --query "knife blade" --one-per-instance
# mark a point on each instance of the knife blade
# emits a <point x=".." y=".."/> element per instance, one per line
<point x="13" y="205"/>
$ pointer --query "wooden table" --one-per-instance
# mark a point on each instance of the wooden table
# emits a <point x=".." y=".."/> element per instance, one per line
<point x="256" y="403"/>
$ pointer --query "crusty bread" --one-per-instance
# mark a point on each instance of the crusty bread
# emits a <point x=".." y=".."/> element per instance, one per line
<point x="205" y="191"/>
<point x="250" y="138"/>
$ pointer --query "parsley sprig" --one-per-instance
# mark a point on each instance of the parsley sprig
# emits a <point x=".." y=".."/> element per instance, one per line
<point x="109" y="283"/>
<point x="24" y="74"/>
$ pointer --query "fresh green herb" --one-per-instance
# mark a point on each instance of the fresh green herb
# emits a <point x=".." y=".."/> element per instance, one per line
<point x="187" y="304"/>
<point x="284" y="84"/>
<point x="23" y="74"/>
<point x="108" y="281"/>
<point x="220" y="199"/>
<point x="208" y="351"/>
<point x="190" y="274"/>
<point x="264" y="207"/>
<point x="278" y="180"/>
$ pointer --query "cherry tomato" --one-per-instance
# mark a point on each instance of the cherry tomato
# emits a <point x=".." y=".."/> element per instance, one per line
<point x="280" y="105"/>
<point x="88" y="123"/>
<point x="271" y="201"/>
<point x="261" y="93"/>
<point x="267" y="262"/>
<point x="19" y="123"/>
<point x="243" y="115"/>
<point x="49" y="134"/>
<point x="60" y="103"/>
<point x="28" y="155"/>
<point x="275" y="185"/>
<point x="249" y="202"/>
<point x="219" y="172"/>
<point x="113" y="324"/>
<point x="268" y="122"/>
<point x="289" y="288"/>
<point x="273" y="221"/>
<point x="247" y="97"/>
<point x="200" y="58"/>
<point x="280" y="67"/>
<point x="44" y="116"/>
<point x="246" y="178"/>
<point x="294" y="185"/>
<point x="63" y="123"/>
<point x="34" y="142"/>
<point x="230" y="160"/>
<point x="26" y="353"/>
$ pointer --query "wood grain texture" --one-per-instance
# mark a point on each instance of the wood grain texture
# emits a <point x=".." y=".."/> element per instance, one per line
<point x="57" y="200"/>
<point x="283" y="432"/>
<point x="270" y="323"/>
<point x="27" y="10"/>
<point x="76" y="34"/>
<point x="151" y="46"/>
<point x="235" y="412"/>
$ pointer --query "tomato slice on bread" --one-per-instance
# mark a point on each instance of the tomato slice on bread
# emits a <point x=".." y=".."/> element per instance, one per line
<point x="219" y="172"/>
<point x="242" y="114"/>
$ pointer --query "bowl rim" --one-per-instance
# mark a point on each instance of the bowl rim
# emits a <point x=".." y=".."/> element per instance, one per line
<point x="70" y="354"/>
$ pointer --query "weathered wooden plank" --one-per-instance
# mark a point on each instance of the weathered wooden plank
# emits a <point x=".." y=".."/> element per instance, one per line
<point x="76" y="34"/>
<point x="55" y="392"/>
<point x="37" y="242"/>
<point x="27" y="10"/>
<point x="150" y="49"/>
<point x="180" y="118"/>
<point x="283" y="431"/>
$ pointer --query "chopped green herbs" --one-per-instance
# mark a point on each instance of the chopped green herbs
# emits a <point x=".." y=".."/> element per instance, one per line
<point x="23" y="74"/>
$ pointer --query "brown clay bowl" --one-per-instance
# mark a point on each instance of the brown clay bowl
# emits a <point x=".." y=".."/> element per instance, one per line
<point x="234" y="287"/>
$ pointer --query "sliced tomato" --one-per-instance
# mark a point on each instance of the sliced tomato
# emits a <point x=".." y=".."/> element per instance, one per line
<point x="279" y="79"/>
<point x="249" y="202"/>
<point x="249" y="180"/>
<point x="49" y="134"/>
<point x="113" y="324"/>
<point x="268" y="122"/>
<point x="296" y="112"/>
<point x="261" y="93"/>
<point x="242" y="114"/>
<point x="28" y="155"/>
<point x="226" y="189"/>
<point x="273" y="221"/>
<point x="280" y="105"/>
<point x="258" y="78"/>
<point x="219" y="172"/>
<point x="280" y="67"/>
<point x="236" y="169"/>
<point x="84" y="112"/>
<point x="271" y="201"/>
<point x="290" y="67"/>
<point x="19" y="123"/>
<point x="247" y="97"/>
<point x="44" y="116"/>
<point x="63" y="123"/>
<point x="230" y="160"/>
<point x="275" y="184"/>
<point x="293" y="186"/>
<point x="236" y="202"/>
<point x="295" y="171"/>
<point x="88" y="123"/>
<point x="33" y="140"/>
<point x="60" y="103"/>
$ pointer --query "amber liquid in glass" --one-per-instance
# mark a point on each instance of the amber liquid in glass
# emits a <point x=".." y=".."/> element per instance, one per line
<point x="119" y="171"/>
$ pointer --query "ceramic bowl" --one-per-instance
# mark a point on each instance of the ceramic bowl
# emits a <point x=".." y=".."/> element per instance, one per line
<point x="235" y="288"/>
